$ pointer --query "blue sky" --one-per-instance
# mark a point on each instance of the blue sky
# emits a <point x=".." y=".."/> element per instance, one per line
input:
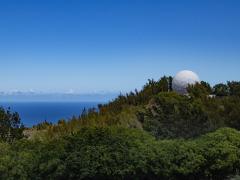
<point x="115" y="45"/>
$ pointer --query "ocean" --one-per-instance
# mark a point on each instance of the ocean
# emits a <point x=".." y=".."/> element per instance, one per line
<point x="32" y="113"/>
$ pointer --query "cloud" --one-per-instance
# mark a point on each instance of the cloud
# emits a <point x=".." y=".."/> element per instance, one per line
<point x="70" y="91"/>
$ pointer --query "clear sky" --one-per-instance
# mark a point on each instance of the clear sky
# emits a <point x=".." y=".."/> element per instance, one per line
<point x="115" y="45"/>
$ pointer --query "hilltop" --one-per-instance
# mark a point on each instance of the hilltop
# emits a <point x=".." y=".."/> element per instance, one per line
<point x="153" y="133"/>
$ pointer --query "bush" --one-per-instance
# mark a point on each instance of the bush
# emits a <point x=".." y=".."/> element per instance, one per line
<point x="119" y="153"/>
<point x="10" y="126"/>
<point x="170" y="115"/>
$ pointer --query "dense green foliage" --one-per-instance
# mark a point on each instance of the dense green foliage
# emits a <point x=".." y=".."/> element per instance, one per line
<point x="120" y="153"/>
<point x="153" y="133"/>
<point x="10" y="126"/>
<point x="169" y="115"/>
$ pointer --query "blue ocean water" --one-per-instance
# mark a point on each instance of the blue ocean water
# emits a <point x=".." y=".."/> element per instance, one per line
<point x="32" y="113"/>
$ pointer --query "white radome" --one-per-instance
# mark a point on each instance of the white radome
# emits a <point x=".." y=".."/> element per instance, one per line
<point x="183" y="79"/>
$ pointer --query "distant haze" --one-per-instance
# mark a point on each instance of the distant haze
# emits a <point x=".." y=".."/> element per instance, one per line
<point x="57" y="97"/>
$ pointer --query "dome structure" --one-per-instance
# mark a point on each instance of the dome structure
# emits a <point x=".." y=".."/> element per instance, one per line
<point x="183" y="79"/>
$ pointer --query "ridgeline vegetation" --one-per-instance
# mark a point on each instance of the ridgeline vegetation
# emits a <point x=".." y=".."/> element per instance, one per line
<point x="153" y="133"/>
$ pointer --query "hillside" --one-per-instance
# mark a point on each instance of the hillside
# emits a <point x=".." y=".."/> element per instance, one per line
<point x="153" y="133"/>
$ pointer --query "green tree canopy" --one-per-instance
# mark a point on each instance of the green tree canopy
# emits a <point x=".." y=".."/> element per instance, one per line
<point x="234" y="88"/>
<point x="10" y="125"/>
<point x="170" y="115"/>
<point x="221" y="90"/>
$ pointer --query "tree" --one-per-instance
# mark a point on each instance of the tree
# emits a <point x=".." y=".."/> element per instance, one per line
<point x="164" y="84"/>
<point x="234" y="88"/>
<point x="207" y="86"/>
<point x="199" y="90"/>
<point x="42" y="125"/>
<point x="170" y="115"/>
<point x="10" y="125"/>
<point x="221" y="90"/>
<point x="170" y="79"/>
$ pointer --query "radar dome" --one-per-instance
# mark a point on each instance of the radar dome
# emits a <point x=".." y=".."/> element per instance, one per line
<point x="183" y="79"/>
